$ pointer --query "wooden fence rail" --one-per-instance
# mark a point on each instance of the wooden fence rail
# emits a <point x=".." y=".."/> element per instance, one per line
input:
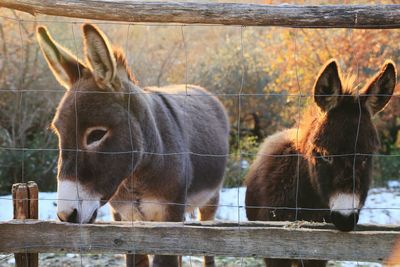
<point x="324" y="16"/>
<point x="252" y="239"/>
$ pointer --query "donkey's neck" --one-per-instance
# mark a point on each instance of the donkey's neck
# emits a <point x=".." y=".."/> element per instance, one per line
<point x="309" y="121"/>
<point x="146" y="135"/>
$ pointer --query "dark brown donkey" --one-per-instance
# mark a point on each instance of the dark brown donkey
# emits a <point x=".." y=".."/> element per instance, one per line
<point x="140" y="149"/>
<point x="332" y="173"/>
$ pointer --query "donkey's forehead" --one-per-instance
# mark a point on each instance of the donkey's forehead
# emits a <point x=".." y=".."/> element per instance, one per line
<point x="341" y="129"/>
<point x="85" y="93"/>
<point x="85" y="84"/>
<point x="87" y="107"/>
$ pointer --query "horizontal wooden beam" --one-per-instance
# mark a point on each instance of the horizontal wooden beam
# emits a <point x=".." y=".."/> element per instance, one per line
<point x="253" y="239"/>
<point x="324" y="16"/>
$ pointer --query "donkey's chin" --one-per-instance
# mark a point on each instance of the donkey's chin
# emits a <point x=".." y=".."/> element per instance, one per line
<point x="346" y="222"/>
<point x="77" y="217"/>
<point x="86" y="217"/>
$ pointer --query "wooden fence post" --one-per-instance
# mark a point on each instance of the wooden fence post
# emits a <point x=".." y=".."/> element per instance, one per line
<point x="25" y="203"/>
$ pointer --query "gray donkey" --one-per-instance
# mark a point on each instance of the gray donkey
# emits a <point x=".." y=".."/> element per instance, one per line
<point x="152" y="153"/>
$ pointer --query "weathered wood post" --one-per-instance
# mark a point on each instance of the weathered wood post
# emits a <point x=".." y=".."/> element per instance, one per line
<point x="25" y="203"/>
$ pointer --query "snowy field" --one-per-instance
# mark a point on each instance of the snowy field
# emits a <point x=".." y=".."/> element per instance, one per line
<point x="382" y="207"/>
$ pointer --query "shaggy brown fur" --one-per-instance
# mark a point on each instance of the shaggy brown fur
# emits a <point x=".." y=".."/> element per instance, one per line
<point x="298" y="171"/>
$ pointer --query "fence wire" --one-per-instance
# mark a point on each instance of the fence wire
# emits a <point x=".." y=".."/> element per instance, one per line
<point x="237" y="108"/>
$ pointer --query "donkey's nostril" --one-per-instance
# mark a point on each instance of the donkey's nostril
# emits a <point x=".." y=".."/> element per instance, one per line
<point x="344" y="222"/>
<point x="94" y="216"/>
<point x="62" y="216"/>
<point x="73" y="217"/>
<point x="65" y="217"/>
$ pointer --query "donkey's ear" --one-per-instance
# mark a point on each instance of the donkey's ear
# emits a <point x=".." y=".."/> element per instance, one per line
<point x="66" y="67"/>
<point x="379" y="90"/>
<point x="328" y="86"/>
<point x="99" y="55"/>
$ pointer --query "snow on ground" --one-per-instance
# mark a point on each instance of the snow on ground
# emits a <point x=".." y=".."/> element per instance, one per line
<point x="382" y="207"/>
<point x="48" y="206"/>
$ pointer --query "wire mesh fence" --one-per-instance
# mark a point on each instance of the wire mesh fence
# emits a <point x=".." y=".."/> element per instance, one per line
<point x="265" y="79"/>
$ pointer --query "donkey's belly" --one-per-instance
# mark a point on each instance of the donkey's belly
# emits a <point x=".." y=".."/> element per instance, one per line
<point x="153" y="209"/>
<point x="200" y="199"/>
<point x="147" y="209"/>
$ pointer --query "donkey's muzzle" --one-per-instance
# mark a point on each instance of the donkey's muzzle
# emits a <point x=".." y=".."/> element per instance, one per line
<point x="73" y="217"/>
<point x="344" y="222"/>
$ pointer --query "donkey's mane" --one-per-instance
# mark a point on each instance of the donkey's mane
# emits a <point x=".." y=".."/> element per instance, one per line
<point x="349" y="85"/>
<point x="121" y="61"/>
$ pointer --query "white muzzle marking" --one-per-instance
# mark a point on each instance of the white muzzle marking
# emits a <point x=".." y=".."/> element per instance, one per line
<point x="344" y="203"/>
<point x="72" y="195"/>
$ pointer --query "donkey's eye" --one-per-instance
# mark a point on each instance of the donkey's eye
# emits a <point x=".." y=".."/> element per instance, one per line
<point x="327" y="159"/>
<point x="364" y="162"/>
<point x="95" y="135"/>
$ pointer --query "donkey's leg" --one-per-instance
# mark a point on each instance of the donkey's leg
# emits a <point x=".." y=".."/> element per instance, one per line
<point x="207" y="213"/>
<point x="165" y="261"/>
<point x="174" y="213"/>
<point x="132" y="260"/>
<point x="296" y="263"/>
<point x="313" y="263"/>
<point x="137" y="260"/>
<point x="278" y="263"/>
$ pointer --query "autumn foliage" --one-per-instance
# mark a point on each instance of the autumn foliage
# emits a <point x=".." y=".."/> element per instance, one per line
<point x="262" y="75"/>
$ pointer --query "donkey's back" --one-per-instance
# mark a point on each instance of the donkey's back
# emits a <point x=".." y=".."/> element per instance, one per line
<point x="200" y="114"/>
